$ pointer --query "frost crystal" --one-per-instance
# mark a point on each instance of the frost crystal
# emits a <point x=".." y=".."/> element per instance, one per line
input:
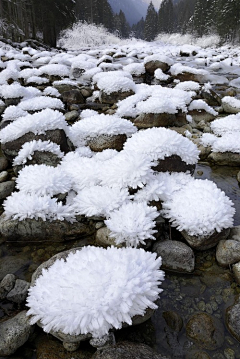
<point x="94" y="290"/>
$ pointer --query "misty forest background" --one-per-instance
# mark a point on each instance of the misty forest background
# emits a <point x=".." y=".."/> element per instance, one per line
<point x="45" y="19"/>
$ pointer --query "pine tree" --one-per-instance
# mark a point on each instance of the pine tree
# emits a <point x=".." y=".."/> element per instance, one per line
<point x="121" y="25"/>
<point x="166" y="17"/>
<point x="151" y="23"/>
<point x="138" y="29"/>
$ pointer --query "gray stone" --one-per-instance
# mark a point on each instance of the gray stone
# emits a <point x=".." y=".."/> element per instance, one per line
<point x="152" y="65"/>
<point x="236" y="272"/>
<point x="187" y="76"/>
<point x="3" y="164"/>
<point x="148" y="120"/>
<point x="206" y="331"/>
<point x="6" y="285"/>
<point x="103" y="238"/>
<point x="40" y="157"/>
<point x="228" y="252"/>
<point x="73" y="97"/>
<point x="14" y="333"/>
<point x="229" y="108"/>
<point x="205" y="242"/>
<point x="19" y="293"/>
<point x="127" y="350"/>
<point x="233" y="318"/>
<point x="11" y="264"/>
<point x="173" y="163"/>
<point x="72" y="116"/>
<point x="3" y="176"/>
<point x="103" y="142"/>
<point x="176" y="256"/>
<point x="225" y="158"/>
<point x="65" y="87"/>
<point x="201" y="115"/>
<point x="6" y="188"/>
<point x="39" y="230"/>
<point x="114" y="97"/>
<point x="173" y="320"/>
<point x="211" y="97"/>
<point x="238" y="176"/>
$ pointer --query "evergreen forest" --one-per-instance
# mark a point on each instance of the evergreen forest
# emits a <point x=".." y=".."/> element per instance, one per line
<point x="44" y="20"/>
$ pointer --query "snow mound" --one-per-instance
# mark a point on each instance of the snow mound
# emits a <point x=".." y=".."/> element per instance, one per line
<point x="159" y="143"/>
<point x="226" y="124"/>
<point x="199" y="208"/>
<point x="178" y="68"/>
<point x="160" y="58"/>
<point x="38" y="123"/>
<point x="202" y="105"/>
<point x="94" y="290"/>
<point x="110" y="84"/>
<point x="136" y="69"/>
<point x="55" y="69"/>
<point x="228" y="142"/>
<point x="132" y="223"/>
<point x="29" y="148"/>
<point x="40" y="103"/>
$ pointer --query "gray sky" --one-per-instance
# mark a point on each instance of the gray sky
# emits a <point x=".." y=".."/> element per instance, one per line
<point x="156" y="3"/>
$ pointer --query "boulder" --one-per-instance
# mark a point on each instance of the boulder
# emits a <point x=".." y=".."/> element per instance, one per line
<point x="205" y="242"/>
<point x="225" y="158"/>
<point x="238" y="176"/>
<point x="14" y="333"/>
<point x="236" y="272"/>
<point x="176" y="256"/>
<point x="103" y="142"/>
<point x="206" y="331"/>
<point x="6" y="188"/>
<point x="153" y="65"/>
<point x="148" y="120"/>
<point x="103" y="238"/>
<point x="65" y="87"/>
<point x="127" y="350"/>
<point x="3" y="176"/>
<point x="228" y="252"/>
<point x="233" y="318"/>
<point x="7" y="285"/>
<point x="38" y="230"/>
<point x="19" y="293"/>
<point x="114" y="97"/>
<point x="40" y="157"/>
<point x="173" y="163"/>
<point x="11" y="148"/>
<point x="3" y="164"/>
<point x="73" y="97"/>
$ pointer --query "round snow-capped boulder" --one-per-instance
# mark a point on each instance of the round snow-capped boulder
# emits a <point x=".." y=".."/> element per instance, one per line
<point x="114" y="89"/>
<point x="176" y="256"/>
<point x="89" y="290"/>
<point x="207" y="241"/>
<point x="231" y="104"/>
<point x="157" y="61"/>
<point x="148" y="120"/>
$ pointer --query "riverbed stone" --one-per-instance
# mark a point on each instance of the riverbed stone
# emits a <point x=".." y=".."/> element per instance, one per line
<point x="19" y="293"/>
<point x="7" y="285"/>
<point x="103" y="238"/>
<point x="3" y="163"/>
<point x="238" y="176"/>
<point x="233" y="318"/>
<point x="14" y="333"/>
<point x="114" y="97"/>
<point x="206" y="331"/>
<point x="3" y="176"/>
<point x="127" y="350"/>
<point x="173" y="320"/>
<point x="228" y="252"/>
<point x="173" y="163"/>
<point x="236" y="272"/>
<point x="73" y="97"/>
<point x="12" y="264"/>
<point x="205" y="242"/>
<point x="38" y="230"/>
<point x="103" y="142"/>
<point x="152" y="65"/>
<point x="6" y="188"/>
<point x="40" y="157"/>
<point x="225" y="158"/>
<point x="149" y="120"/>
<point x="176" y="256"/>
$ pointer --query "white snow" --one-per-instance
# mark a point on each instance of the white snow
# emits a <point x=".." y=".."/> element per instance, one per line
<point x="202" y="105"/>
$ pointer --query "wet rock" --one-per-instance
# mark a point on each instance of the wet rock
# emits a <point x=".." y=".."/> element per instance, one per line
<point x="205" y="242"/>
<point x="187" y="76"/>
<point x="6" y="188"/>
<point x="65" y="87"/>
<point x="39" y="230"/>
<point x="7" y="285"/>
<point x="176" y="256"/>
<point x="19" y="293"/>
<point x="233" y="319"/>
<point x="211" y="97"/>
<point x="173" y="320"/>
<point x="228" y="252"/>
<point x="3" y="164"/>
<point x="11" y="264"/>
<point x="3" y="176"/>
<point x="73" y="97"/>
<point x="201" y="115"/>
<point x="71" y="116"/>
<point x="14" y="333"/>
<point x="148" y="120"/>
<point x="206" y="331"/>
<point x="193" y="354"/>
<point x="11" y="148"/>
<point x="151" y="66"/>
<point x="86" y="92"/>
<point x="173" y="163"/>
<point x="103" y="238"/>
<point x="103" y="142"/>
<point x="127" y="350"/>
<point x="114" y="97"/>
<point x="225" y="158"/>
<point x="40" y="157"/>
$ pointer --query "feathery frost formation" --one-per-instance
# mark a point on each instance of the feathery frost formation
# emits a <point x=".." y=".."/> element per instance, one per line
<point x="95" y="289"/>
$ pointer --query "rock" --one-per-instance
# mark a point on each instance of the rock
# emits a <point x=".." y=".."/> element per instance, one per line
<point x="225" y="158"/>
<point x="86" y="92"/>
<point x="114" y="97"/>
<point x="103" y="142"/>
<point x="233" y="318"/>
<point x="188" y="76"/>
<point x="103" y="238"/>
<point x="11" y="264"/>
<point x="40" y="157"/>
<point x="7" y="285"/>
<point x="205" y="242"/>
<point x="39" y="230"/>
<point x="72" y="116"/>
<point x="211" y="97"/>
<point x="201" y="115"/>
<point x="236" y="272"/>
<point x="173" y="163"/>
<point x="206" y="331"/>
<point x="230" y="108"/>
<point x="11" y="148"/>
<point x="127" y="350"/>
<point x="228" y="252"/>
<point x="6" y="188"/>
<point x="176" y="256"/>
<point x="3" y="176"/>
<point x="193" y="354"/>
<point x="152" y="65"/>
<point x="12" y="101"/>
<point x="148" y="120"/>
<point x="3" y="164"/>
<point x="19" y="293"/>
<point x="73" y="97"/>
<point x="238" y="176"/>
<point x="14" y="333"/>
<point x="65" y="87"/>
<point x="173" y="320"/>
